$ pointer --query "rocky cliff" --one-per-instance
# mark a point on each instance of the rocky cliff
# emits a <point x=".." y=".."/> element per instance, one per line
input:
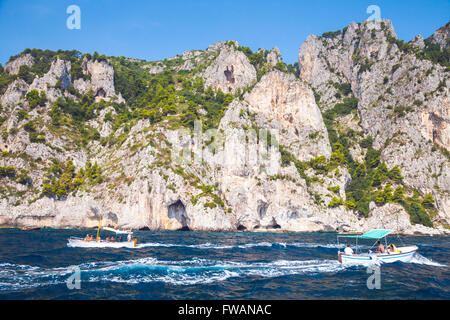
<point x="356" y="137"/>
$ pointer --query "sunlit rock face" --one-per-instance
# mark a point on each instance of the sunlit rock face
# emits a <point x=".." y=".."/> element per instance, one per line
<point x="230" y="70"/>
<point x="13" y="67"/>
<point x="385" y="79"/>
<point x="101" y="80"/>
<point x="285" y="103"/>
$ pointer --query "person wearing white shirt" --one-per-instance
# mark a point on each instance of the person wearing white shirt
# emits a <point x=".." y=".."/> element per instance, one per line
<point x="348" y="250"/>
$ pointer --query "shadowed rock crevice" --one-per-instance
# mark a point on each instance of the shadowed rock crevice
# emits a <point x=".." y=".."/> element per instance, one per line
<point x="229" y="74"/>
<point x="262" y="209"/>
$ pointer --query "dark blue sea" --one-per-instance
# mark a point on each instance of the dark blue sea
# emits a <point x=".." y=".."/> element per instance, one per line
<point x="211" y="265"/>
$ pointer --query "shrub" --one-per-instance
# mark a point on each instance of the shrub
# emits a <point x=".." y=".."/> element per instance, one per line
<point x="367" y="143"/>
<point x="335" y="189"/>
<point x="7" y="171"/>
<point x="319" y="164"/>
<point x="372" y="158"/>
<point x="62" y="179"/>
<point x="395" y="174"/>
<point x="36" y="137"/>
<point x="418" y="214"/>
<point x="428" y="201"/>
<point x="398" y="194"/>
<point x="35" y="98"/>
<point x="24" y="178"/>
<point x="387" y="193"/>
<point x="344" y="88"/>
<point x="335" y="202"/>
<point x="350" y="205"/>
<point x="379" y="199"/>
<point x="22" y="114"/>
<point x="346" y="107"/>
<point x="29" y="126"/>
<point x="331" y="34"/>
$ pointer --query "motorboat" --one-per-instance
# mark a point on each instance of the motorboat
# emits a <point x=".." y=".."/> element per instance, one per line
<point x="390" y="254"/>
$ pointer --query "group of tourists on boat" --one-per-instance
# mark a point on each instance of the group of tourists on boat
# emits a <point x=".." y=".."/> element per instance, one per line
<point x="380" y="248"/>
<point x="108" y="239"/>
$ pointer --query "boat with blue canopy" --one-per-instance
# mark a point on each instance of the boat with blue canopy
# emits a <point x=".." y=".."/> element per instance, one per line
<point x="387" y="253"/>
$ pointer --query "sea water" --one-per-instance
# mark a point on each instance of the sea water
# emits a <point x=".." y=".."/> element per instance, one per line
<point x="212" y="265"/>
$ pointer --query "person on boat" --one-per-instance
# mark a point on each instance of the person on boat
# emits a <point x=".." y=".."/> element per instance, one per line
<point x="129" y="237"/>
<point x="348" y="250"/>
<point x="380" y="248"/>
<point x="112" y="239"/>
<point x="119" y="239"/>
<point x="86" y="238"/>
<point x="392" y="247"/>
<point x="107" y="239"/>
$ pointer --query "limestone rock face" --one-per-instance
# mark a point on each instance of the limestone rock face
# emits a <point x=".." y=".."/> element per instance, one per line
<point x="441" y="36"/>
<point x="101" y="80"/>
<point x="285" y="103"/>
<point x="418" y="42"/>
<point x="385" y="79"/>
<point x="396" y="218"/>
<point x="13" y="67"/>
<point x="154" y="69"/>
<point x="14" y="93"/>
<point x="274" y="56"/>
<point x="231" y="70"/>
<point x="59" y="71"/>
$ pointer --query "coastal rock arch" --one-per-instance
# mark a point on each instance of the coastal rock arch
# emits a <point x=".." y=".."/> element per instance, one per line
<point x="177" y="211"/>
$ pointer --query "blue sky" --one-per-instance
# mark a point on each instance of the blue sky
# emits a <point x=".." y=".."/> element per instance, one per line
<point x="154" y="30"/>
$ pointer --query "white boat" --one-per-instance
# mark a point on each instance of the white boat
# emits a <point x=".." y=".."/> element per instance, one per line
<point x="403" y="254"/>
<point x="99" y="243"/>
<point x="81" y="243"/>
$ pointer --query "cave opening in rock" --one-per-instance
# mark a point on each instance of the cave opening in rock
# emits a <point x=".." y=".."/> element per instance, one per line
<point x="101" y="93"/>
<point x="177" y="211"/>
<point x="229" y="74"/>
<point x="241" y="228"/>
<point x="274" y="224"/>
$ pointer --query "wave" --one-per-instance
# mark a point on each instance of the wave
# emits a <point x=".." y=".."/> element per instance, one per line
<point x="183" y="272"/>
<point x="417" y="258"/>
<point x="145" y="270"/>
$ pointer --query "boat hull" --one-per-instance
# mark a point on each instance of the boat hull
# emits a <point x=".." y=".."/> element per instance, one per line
<point x="403" y="254"/>
<point x="80" y="243"/>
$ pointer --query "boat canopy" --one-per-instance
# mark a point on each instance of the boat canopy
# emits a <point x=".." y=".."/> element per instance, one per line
<point x="372" y="234"/>
<point x="117" y="231"/>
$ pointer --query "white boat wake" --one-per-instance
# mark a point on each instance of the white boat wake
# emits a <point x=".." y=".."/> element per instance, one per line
<point x="417" y="258"/>
<point x="207" y="245"/>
